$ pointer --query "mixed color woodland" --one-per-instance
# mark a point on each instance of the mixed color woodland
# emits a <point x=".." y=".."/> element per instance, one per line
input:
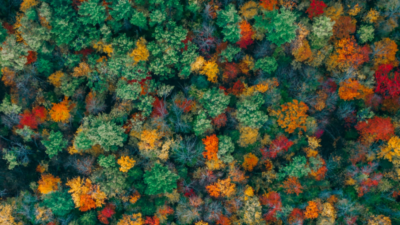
<point x="175" y="112"/>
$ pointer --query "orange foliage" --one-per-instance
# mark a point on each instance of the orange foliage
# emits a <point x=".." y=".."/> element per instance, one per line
<point x="312" y="210"/>
<point x="303" y="52"/>
<point x="48" y="183"/>
<point x="344" y="27"/>
<point x="246" y="32"/>
<point x="8" y="76"/>
<point x="250" y="161"/>
<point x="226" y="187"/>
<point x="292" y="185"/>
<point x="352" y="89"/>
<point x="150" y="139"/>
<point x="87" y="203"/>
<point x="213" y="190"/>
<point x="269" y="4"/>
<point x="211" y="147"/>
<point x="292" y="116"/>
<point x="348" y="54"/>
<point x="223" y="220"/>
<point x="60" y="111"/>
<point x="385" y="52"/>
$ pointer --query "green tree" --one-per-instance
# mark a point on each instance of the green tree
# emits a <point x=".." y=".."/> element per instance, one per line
<point x="160" y="180"/>
<point x="54" y="143"/>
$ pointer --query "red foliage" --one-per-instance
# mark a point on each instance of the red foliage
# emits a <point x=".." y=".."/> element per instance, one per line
<point x="188" y="38"/>
<point x="330" y="85"/>
<point x="296" y="217"/>
<point x="220" y="120"/>
<point x="185" y="105"/>
<point x="31" y="58"/>
<point x="40" y="113"/>
<point x="231" y="71"/>
<point x="387" y="81"/>
<point x="246" y="31"/>
<point x="367" y="184"/>
<point x="108" y="211"/>
<point x="102" y="219"/>
<point x="223" y="220"/>
<point x="380" y="128"/>
<point x="159" y="108"/>
<point x="8" y="27"/>
<point x="281" y="143"/>
<point x="237" y="89"/>
<point x="373" y="101"/>
<point x="84" y="52"/>
<point x="316" y="8"/>
<point x="28" y="119"/>
<point x="273" y="201"/>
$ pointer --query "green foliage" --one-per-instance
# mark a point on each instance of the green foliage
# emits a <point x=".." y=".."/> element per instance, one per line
<point x="322" y="27"/>
<point x="92" y="12"/>
<point x="366" y="33"/>
<point x="54" y="143"/>
<point x="26" y="133"/>
<point x="228" y="20"/>
<point x="111" y="181"/>
<point x="266" y="64"/>
<point x="8" y="108"/>
<point x="12" y="54"/>
<point x="11" y="158"/>
<point x="297" y="168"/>
<point x="59" y="202"/>
<point x="128" y="91"/>
<point x="139" y="19"/>
<point x="201" y="123"/>
<point x="107" y="161"/>
<point x="107" y="134"/>
<point x="228" y="53"/>
<point x="160" y="180"/>
<point x="88" y="218"/>
<point x="280" y="26"/>
<point x="225" y="148"/>
<point x="121" y="10"/>
<point x="214" y="101"/>
<point x="248" y="112"/>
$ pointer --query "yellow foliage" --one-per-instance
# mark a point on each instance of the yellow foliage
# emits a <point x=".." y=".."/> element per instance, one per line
<point x="134" y="198"/>
<point x="164" y="155"/>
<point x="210" y="69"/>
<point x="354" y="11"/>
<point x="250" y="161"/>
<point x="249" y="10"/>
<point x="249" y="192"/>
<point x="201" y="223"/>
<point x="198" y="64"/>
<point x="379" y="220"/>
<point x="55" y="78"/>
<point x="102" y="47"/>
<point x="334" y="12"/>
<point x="27" y="4"/>
<point x="126" y="163"/>
<point x="328" y="210"/>
<point x="391" y="149"/>
<point x="226" y="187"/>
<point x="215" y="164"/>
<point x="372" y="16"/>
<point x="134" y="219"/>
<point x="262" y="87"/>
<point x="80" y="187"/>
<point x="48" y="183"/>
<point x="60" y="111"/>
<point x="246" y="64"/>
<point x="303" y="52"/>
<point x="140" y="53"/>
<point x="6" y="215"/>
<point x="248" y="136"/>
<point x="8" y="76"/>
<point x="213" y="190"/>
<point x="150" y="139"/>
<point x="82" y="70"/>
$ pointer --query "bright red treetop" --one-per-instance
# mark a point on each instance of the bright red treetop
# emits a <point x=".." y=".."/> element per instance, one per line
<point x="316" y="8"/>
<point x="387" y="81"/>
<point x="380" y="128"/>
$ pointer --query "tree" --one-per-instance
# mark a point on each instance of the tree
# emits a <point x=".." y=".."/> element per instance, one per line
<point x="292" y="116"/>
<point x="352" y="89"/>
<point x="126" y="163"/>
<point x="391" y="149"/>
<point x="377" y="128"/>
<point x="210" y="69"/>
<point x="316" y="8"/>
<point x="48" y="183"/>
<point x="160" y="180"/>
<point x="92" y="12"/>
<point x="228" y="20"/>
<point x="280" y="26"/>
<point x="201" y="123"/>
<point x="387" y="81"/>
<point x="211" y="147"/>
<point x="60" y="112"/>
<point x="214" y="101"/>
<point x="266" y="64"/>
<point x="312" y="210"/>
<point x="59" y="202"/>
<point x="250" y="161"/>
<point x="54" y="144"/>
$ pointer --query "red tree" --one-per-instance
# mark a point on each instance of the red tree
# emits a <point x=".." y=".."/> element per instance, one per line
<point x="281" y="143"/>
<point x="316" y="8"/>
<point x="380" y="128"/>
<point x="387" y="81"/>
